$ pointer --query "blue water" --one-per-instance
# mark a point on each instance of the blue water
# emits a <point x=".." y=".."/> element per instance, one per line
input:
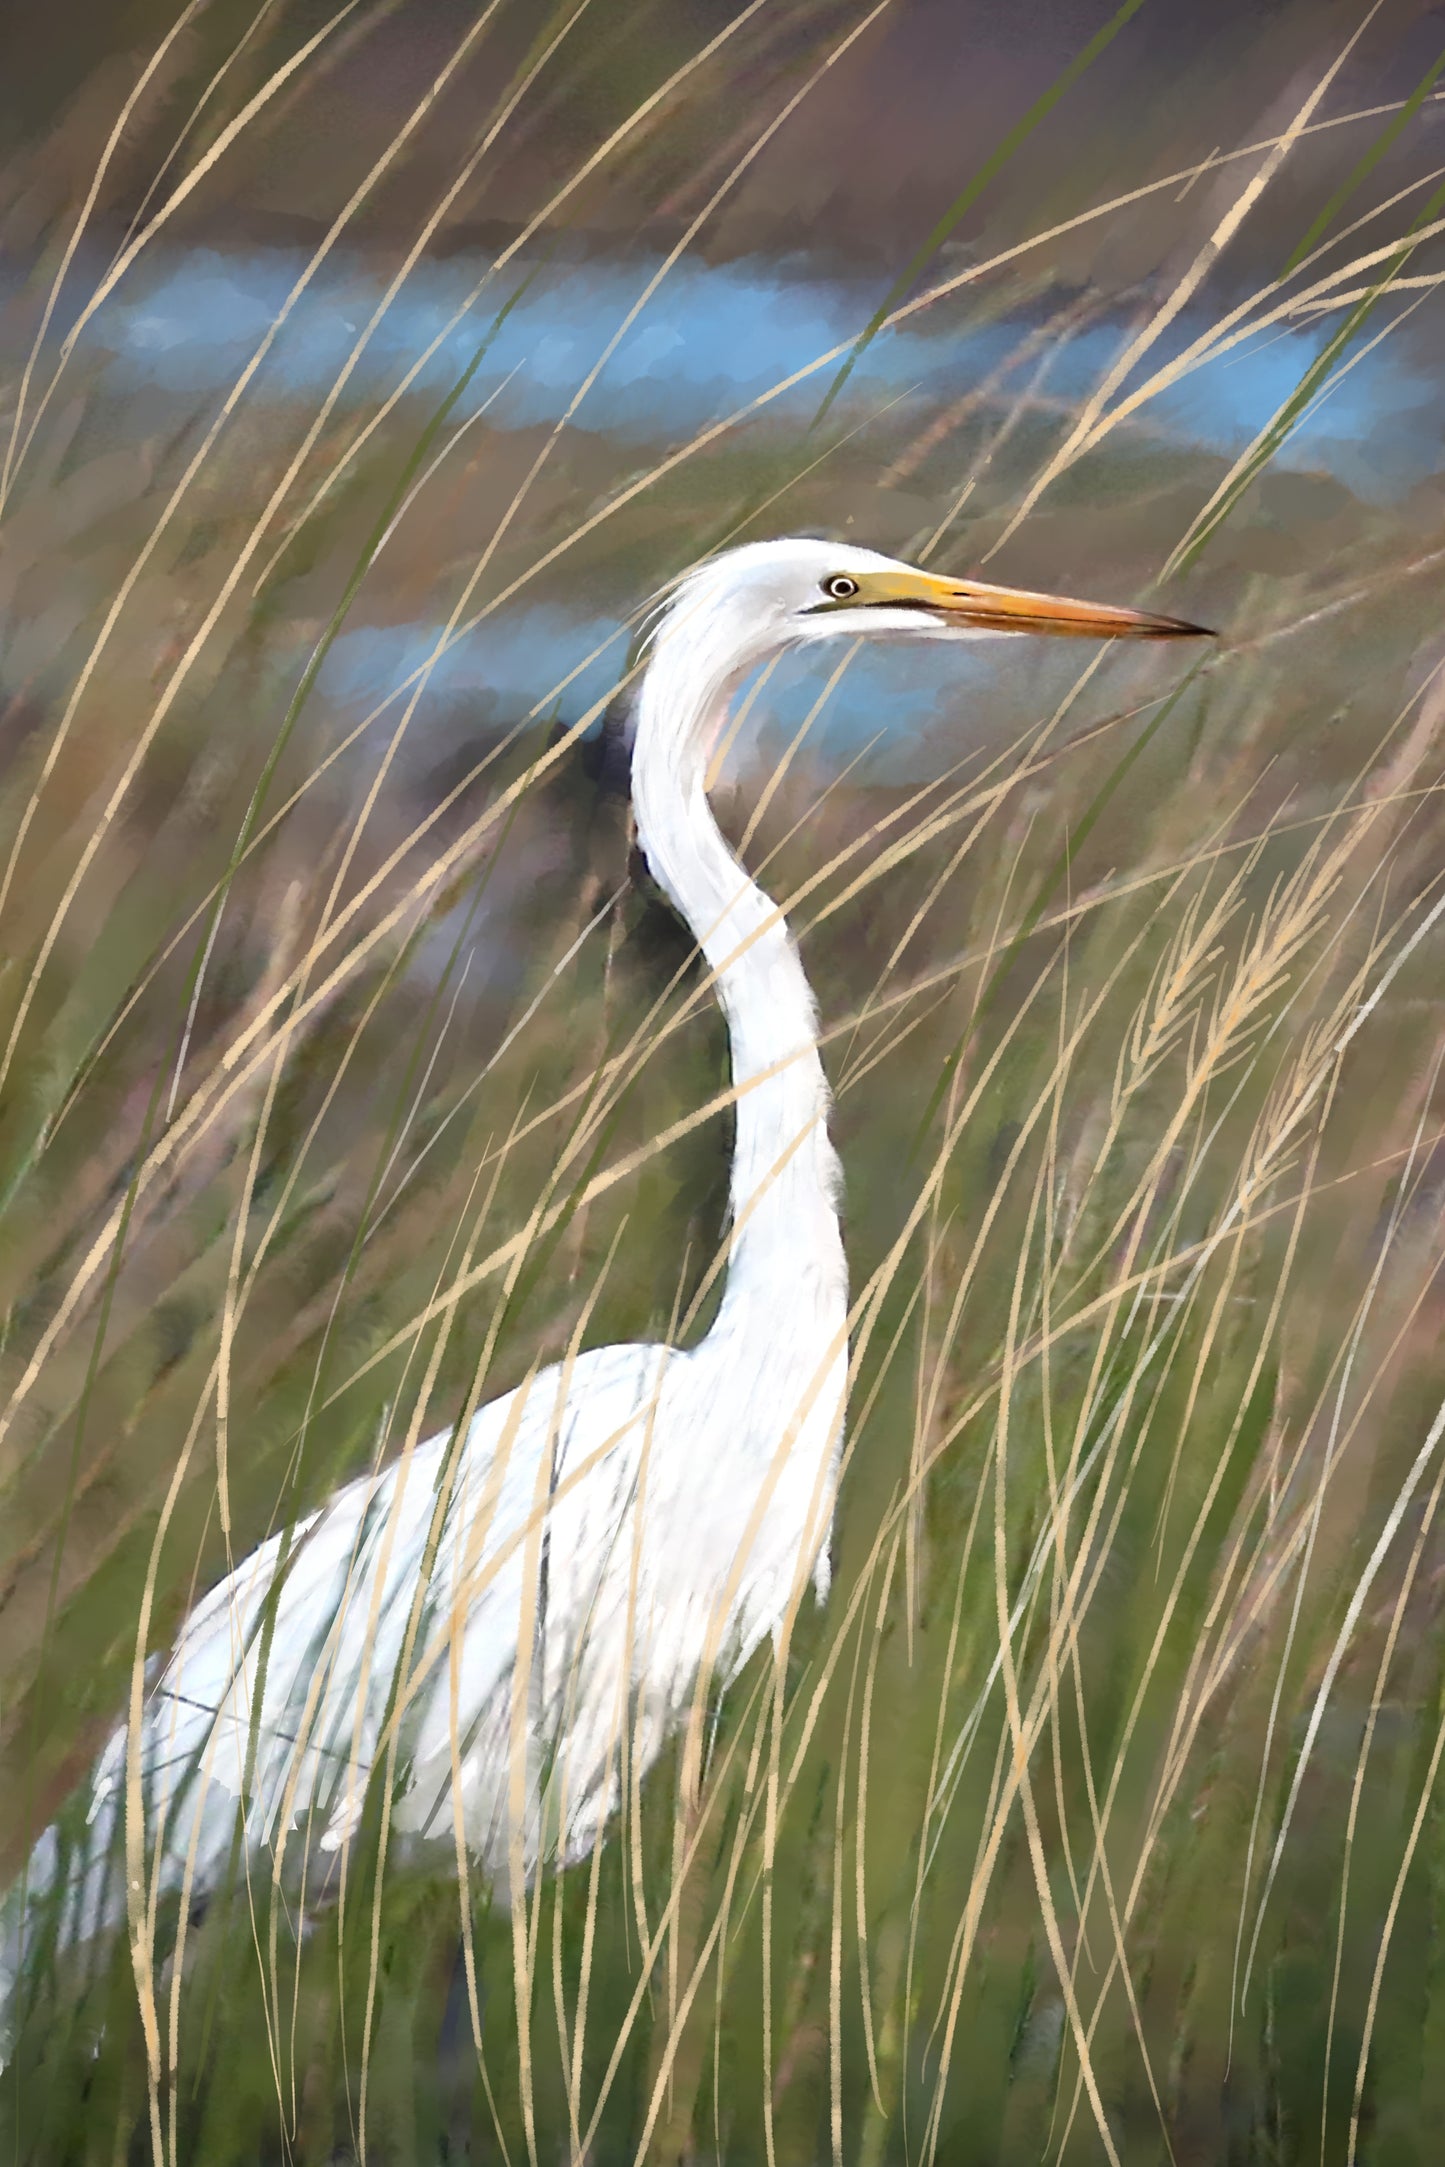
<point x="895" y="710"/>
<point x="709" y="342"/>
<point x="523" y="654"/>
<point x="712" y="339"/>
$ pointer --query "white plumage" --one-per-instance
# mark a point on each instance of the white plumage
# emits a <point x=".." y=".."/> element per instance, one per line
<point x="611" y="1533"/>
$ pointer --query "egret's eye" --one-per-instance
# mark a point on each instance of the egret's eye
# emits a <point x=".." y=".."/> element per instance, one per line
<point x="840" y="588"/>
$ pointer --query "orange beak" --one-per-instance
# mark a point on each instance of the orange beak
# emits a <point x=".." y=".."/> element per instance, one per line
<point x="972" y="604"/>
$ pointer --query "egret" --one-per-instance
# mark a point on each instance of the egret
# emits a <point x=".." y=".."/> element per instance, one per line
<point x="508" y="1627"/>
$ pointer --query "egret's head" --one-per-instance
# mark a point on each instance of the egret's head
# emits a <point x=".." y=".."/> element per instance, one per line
<point x="768" y="595"/>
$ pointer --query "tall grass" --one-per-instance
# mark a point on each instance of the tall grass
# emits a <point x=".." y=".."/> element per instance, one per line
<point x="348" y="1073"/>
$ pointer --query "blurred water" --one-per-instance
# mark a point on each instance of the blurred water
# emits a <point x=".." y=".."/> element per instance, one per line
<point x="712" y="338"/>
<point x="886" y="714"/>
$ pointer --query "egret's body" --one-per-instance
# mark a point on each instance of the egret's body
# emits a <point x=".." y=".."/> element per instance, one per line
<point x="620" y="1528"/>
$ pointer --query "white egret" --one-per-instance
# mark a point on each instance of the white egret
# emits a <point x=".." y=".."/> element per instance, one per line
<point x="610" y="1532"/>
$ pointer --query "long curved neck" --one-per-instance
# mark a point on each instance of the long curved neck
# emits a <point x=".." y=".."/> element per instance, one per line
<point x="786" y="1249"/>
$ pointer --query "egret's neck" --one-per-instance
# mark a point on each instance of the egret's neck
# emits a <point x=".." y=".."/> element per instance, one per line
<point x="786" y="1251"/>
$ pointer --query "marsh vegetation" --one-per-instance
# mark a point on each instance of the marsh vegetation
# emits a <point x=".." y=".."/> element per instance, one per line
<point x="346" y="1068"/>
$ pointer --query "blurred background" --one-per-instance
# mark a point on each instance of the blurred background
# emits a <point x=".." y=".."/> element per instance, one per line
<point x="366" y="370"/>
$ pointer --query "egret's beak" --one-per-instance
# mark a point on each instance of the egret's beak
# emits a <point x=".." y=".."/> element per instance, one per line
<point x="973" y="605"/>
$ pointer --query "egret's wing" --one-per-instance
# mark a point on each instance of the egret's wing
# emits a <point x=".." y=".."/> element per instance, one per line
<point x="492" y="1720"/>
<point x="279" y="1688"/>
<point x="278" y="1693"/>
